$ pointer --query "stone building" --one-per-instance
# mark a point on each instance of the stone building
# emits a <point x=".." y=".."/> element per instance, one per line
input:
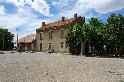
<point x="52" y="35"/>
<point x="27" y="43"/>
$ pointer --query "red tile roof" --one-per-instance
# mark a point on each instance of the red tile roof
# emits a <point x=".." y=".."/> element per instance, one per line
<point x="57" y="24"/>
<point x="27" y="39"/>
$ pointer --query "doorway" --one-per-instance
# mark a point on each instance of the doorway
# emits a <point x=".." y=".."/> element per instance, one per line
<point x="40" y="46"/>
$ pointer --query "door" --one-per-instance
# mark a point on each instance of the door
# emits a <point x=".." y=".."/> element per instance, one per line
<point x="40" y="46"/>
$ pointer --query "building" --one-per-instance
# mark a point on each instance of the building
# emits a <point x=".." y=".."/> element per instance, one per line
<point x="27" y="43"/>
<point x="52" y="35"/>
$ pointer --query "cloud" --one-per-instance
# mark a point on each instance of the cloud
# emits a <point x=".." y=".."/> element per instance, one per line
<point x="82" y="7"/>
<point x="40" y="6"/>
<point x="101" y="6"/>
<point x="60" y="4"/>
<point x="26" y="21"/>
<point x="109" y="6"/>
<point x="2" y="10"/>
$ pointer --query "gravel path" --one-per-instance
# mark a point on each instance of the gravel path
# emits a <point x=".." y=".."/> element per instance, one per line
<point x="43" y="67"/>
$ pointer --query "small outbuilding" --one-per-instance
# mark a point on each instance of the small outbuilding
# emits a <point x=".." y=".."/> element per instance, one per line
<point x="27" y="43"/>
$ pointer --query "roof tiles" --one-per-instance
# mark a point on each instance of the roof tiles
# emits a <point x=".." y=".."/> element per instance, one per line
<point x="27" y="39"/>
<point x="56" y="24"/>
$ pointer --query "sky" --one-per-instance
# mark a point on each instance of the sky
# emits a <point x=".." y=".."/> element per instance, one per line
<point x="28" y="15"/>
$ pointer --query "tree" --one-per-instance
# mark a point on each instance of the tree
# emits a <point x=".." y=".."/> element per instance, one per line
<point x="116" y="30"/>
<point x="6" y="39"/>
<point x="86" y="35"/>
<point x="78" y="35"/>
<point x="72" y="42"/>
<point x="97" y="35"/>
<point x="97" y="39"/>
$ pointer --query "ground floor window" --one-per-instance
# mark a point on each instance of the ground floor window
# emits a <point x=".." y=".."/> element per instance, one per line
<point x="62" y="44"/>
<point x="50" y="46"/>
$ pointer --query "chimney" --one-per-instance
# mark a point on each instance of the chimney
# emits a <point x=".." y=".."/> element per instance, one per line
<point x="75" y="15"/>
<point x="43" y="24"/>
<point x="63" y="19"/>
<point x="83" y="18"/>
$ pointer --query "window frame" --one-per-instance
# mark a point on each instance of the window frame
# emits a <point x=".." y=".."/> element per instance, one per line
<point x="50" y="46"/>
<point x="41" y="35"/>
<point x="62" y="33"/>
<point x="61" y="45"/>
<point x="50" y="34"/>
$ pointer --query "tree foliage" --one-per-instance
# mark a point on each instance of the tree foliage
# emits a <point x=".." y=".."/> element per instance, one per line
<point x="6" y="39"/>
<point x="116" y="32"/>
<point x="96" y="37"/>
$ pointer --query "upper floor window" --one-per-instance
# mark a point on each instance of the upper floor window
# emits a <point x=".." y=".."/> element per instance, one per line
<point x="62" y="33"/>
<point x="41" y="35"/>
<point x="50" y="34"/>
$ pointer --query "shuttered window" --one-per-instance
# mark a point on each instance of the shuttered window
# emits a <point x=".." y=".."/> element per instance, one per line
<point x="41" y="35"/>
<point x="62" y="33"/>
<point x="50" y="34"/>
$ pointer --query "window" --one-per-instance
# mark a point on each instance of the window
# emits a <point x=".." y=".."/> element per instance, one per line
<point x="62" y="33"/>
<point x="50" y="46"/>
<point x="50" y="34"/>
<point x="41" y="36"/>
<point x="61" y="44"/>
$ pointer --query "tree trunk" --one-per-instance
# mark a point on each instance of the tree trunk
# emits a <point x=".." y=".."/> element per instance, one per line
<point x="119" y="51"/>
<point x="82" y="47"/>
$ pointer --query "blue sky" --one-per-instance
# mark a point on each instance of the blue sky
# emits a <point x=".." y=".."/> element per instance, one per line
<point x="28" y="15"/>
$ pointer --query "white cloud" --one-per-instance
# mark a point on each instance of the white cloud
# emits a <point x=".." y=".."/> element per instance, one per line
<point x="26" y="21"/>
<point x="101" y="6"/>
<point x="60" y="4"/>
<point x="83" y="6"/>
<point x="2" y="10"/>
<point x="40" y="6"/>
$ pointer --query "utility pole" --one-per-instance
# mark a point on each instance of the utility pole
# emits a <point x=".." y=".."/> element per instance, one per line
<point x="17" y="40"/>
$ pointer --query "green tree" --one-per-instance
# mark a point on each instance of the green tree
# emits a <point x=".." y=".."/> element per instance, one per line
<point x="78" y="35"/>
<point x="116" y="30"/>
<point x="90" y="34"/>
<point x="6" y="39"/>
<point x="72" y="41"/>
<point x="97" y="35"/>
<point x="97" y="38"/>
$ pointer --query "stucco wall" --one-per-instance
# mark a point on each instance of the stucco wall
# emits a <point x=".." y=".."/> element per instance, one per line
<point x="56" y="40"/>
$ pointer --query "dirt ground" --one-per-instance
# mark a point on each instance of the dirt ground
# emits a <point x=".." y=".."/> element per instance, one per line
<point x="44" y="67"/>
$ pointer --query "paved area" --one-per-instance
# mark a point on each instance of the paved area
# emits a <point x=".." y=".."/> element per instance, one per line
<point x="44" y="67"/>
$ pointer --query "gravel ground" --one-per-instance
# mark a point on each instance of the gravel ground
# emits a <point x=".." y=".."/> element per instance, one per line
<point x="43" y="67"/>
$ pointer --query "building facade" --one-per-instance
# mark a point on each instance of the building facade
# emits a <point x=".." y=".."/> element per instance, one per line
<point x="27" y="43"/>
<point x="52" y="35"/>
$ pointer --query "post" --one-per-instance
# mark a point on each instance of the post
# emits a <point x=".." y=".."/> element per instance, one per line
<point x="17" y="40"/>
